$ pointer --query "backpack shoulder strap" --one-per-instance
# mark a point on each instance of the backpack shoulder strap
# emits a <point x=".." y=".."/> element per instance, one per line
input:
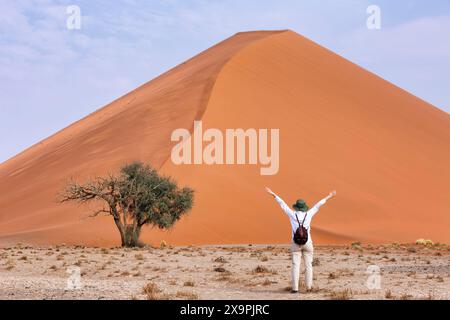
<point x="296" y="215"/>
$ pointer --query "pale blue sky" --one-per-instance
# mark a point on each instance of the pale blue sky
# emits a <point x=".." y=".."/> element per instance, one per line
<point x="51" y="76"/>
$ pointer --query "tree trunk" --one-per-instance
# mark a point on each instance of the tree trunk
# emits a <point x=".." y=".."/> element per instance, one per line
<point x="122" y="231"/>
<point x="132" y="234"/>
<point x="129" y="233"/>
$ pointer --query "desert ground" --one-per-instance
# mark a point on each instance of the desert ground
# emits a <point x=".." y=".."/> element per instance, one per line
<point x="407" y="271"/>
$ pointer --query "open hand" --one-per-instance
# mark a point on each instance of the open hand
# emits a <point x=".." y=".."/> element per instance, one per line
<point x="332" y="194"/>
<point x="270" y="191"/>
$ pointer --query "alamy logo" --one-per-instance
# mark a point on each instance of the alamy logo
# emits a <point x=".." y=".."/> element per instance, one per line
<point x="74" y="279"/>
<point x="235" y="146"/>
<point x="373" y="281"/>
<point x="374" y="19"/>
<point x="73" y="21"/>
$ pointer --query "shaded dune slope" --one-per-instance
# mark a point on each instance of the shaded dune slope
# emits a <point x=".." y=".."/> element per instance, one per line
<point x="341" y="127"/>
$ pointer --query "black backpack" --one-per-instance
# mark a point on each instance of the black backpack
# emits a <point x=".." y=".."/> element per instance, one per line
<point x="301" y="234"/>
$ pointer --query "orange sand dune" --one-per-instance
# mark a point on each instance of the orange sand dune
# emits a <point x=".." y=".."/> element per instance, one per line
<point x="385" y="151"/>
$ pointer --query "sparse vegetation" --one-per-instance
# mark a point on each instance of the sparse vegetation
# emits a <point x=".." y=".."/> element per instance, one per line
<point x="163" y="244"/>
<point x="332" y="275"/>
<point x="187" y="295"/>
<point x="189" y="283"/>
<point x="220" y="260"/>
<point x="152" y="291"/>
<point x="261" y="269"/>
<point x="244" y="273"/>
<point x="345" y="294"/>
<point x="388" y="294"/>
<point x="405" y="296"/>
<point x="10" y="265"/>
<point x="424" y="242"/>
<point x="267" y="282"/>
<point x="139" y="256"/>
<point x="220" y="269"/>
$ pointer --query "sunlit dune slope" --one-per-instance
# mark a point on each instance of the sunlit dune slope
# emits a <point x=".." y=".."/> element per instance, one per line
<point x="385" y="151"/>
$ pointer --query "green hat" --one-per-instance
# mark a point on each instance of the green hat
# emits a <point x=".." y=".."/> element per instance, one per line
<point x="300" y="205"/>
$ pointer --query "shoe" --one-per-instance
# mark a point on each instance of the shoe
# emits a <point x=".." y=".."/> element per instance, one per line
<point x="294" y="291"/>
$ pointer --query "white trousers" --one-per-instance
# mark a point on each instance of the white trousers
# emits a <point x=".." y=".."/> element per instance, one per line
<point x="306" y="251"/>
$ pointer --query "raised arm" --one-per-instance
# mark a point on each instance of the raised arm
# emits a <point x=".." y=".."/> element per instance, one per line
<point x="282" y="204"/>
<point x="316" y="207"/>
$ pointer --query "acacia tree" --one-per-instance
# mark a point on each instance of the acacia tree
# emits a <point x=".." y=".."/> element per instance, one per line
<point x="136" y="197"/>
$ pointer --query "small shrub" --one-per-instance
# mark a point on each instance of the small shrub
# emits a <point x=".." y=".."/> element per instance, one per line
<point x="139" y="256"/>
<point x="332" y="275"/>
<point x="261" y="269"/>
<point x="10" y="265"/>
<point x="152" y="291"/>
<point x="267" y="282"/>
<point x="388" y="294"/>
<point x="189" y="283"/>
<point x="220" y="260"/>
<point x="187" y="295"/>
<point x="424" y="242"/>
<point x="163" y="244"/>
<point x="405" y="297"/>
<point x="357" y="245"/>
<point x="345" y="294"/>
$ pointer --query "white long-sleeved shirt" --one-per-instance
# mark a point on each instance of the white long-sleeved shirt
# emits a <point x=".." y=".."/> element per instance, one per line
<point x="301" y="215"/>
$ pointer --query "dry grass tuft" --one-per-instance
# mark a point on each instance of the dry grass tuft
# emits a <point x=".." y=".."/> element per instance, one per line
<point x="220" y="269"/>
<point x="189" y="283"/>
<point x="332" y="275"/>
<point x="388" y="294"/>
<point x="267" y="282"/>
<point x="10" y="265"/>
<point x="261" y="269"/>
<point x="424" y="242"/>
<point x="345" y="294"/>
<point x="139" y="256"/>
<point x="152" y="291"/>
<point x="187" y="295"/>
<point x="405" y="296"/>
<point x="220" y="260"/>
<point x="412" y="249"/>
